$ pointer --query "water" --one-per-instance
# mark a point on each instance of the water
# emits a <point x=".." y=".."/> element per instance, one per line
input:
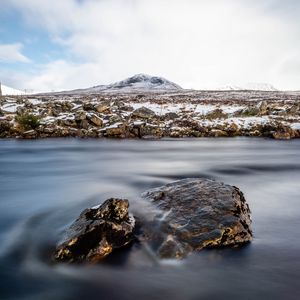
<point x="45" y="184"/>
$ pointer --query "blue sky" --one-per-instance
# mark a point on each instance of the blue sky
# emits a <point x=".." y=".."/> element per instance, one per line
<point x="65" y="44"/>
<point x="37" y="44"/>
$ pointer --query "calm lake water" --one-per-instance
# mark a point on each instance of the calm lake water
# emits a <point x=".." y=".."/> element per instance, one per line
<point x="45" y="184"/>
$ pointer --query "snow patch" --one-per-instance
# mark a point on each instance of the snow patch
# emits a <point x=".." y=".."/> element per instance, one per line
<point x="11" y="107"/>
<point x="295" y="126"/>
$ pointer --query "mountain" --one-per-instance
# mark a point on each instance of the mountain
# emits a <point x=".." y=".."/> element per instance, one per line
<point x="10" y="91"/>
<point x="136" y="83"/>
<point x="145" y="82"/>
<point x="252" y="86"/>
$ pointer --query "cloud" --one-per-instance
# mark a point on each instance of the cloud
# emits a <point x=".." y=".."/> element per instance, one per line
<point x="10" y="53"/>
<point x="197" y="44"/>
<point x="60" y="75"/>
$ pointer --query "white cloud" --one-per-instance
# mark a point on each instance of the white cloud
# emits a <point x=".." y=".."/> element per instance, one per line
<point x="194" y="43"/>
<point x="60" y="75"/>
<point x="12" y="53"/>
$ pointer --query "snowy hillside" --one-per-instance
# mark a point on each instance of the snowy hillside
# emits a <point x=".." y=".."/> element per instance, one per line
<point x="10" y="91"/>
<point x="136" y="83"/>
<point x="144" y="82"/>
<point x="252" y="86"/>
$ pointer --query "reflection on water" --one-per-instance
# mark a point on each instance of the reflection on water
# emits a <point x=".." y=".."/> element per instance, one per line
<point x="45" y="184"/>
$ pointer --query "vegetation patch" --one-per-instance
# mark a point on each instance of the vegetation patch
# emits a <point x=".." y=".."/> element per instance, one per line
<point x="248" y="112"/>
<point x="27" y="121"/>
<point x="216" y="114"/>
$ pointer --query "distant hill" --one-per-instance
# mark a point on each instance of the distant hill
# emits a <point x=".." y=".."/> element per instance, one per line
<point x="136" y="83"/>
<point x="250" y="86"/>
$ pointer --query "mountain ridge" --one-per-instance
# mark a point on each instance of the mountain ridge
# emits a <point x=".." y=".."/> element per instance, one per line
<point x="136" y="83"/>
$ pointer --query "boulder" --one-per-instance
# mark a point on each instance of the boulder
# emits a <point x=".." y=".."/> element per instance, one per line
<point x="88" y="106"/>
<point x="116" y="130"/>
<point x="262" y="107"/>
<point x="95" y="120"/>
<point x="103" y="106"/>
<point x="4" y="126"/>
<point x="196" y="214"/>
<point x="232" y="129"/>
<point x="80" y="115"/>
<point x="97" y="232"/>
<point x="83" y="124"/>
<point x="217" y="113"/>
<point x="218" y="133"/>
<point x="284" y="133"/>
<point x="143" y="113"/>
<point x="294" y="109"/>
<point x="170" y="116"/>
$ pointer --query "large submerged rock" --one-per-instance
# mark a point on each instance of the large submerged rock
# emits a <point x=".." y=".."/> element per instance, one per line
<point x="97" y="232"/>
<point x="195" y="214"/>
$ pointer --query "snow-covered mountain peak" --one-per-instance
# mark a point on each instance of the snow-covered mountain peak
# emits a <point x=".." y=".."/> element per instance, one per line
<point x="136" y="83"/>
<point x="144" y="82"/>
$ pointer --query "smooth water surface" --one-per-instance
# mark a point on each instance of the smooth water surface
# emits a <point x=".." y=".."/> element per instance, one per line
<point x="45" y="184"/>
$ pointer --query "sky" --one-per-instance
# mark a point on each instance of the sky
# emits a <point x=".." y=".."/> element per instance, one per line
<point x="67" y="44"/>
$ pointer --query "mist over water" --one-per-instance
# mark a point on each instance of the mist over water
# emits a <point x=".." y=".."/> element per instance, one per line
<point x="45" y="184"/>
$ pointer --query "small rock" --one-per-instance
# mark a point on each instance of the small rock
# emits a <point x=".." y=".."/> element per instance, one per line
<point x="29" y="134"/>
<point x="97" y="232"/>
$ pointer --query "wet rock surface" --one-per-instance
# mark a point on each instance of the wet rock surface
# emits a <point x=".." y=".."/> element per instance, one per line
<point x="196" y="214"/>
<point x="188" y="215"/>
<point x="97" y="232"/>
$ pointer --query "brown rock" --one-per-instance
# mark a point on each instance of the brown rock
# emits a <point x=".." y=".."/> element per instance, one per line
<point x="103" y="106"/>
<point x="143" y="113"/>
<point x="97" y="232"/>
<point x="282" y="135"/>
<point x="95" y="120"/>
<point x="218" y="133"/>
<point x="196" y="214"/>
<point x="117" y="130"/>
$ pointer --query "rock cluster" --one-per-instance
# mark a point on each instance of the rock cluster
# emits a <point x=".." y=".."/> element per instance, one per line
<point x="193" y="214"/>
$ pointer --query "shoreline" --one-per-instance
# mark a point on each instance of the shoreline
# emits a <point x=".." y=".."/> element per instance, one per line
<point x="144" y="116"/>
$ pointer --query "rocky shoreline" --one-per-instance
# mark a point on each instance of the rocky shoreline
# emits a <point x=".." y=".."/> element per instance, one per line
<point x="154" y="115"/>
